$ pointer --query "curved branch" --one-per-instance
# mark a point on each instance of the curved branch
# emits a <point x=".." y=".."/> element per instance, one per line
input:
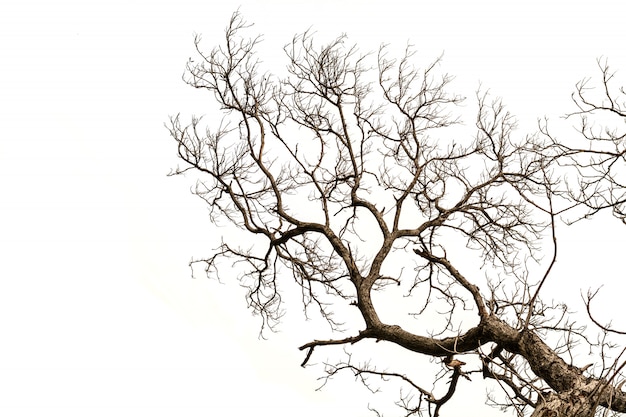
<point x="606" y="329"/>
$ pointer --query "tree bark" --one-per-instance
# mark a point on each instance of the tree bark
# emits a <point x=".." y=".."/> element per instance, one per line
<point x="570" y="404"/>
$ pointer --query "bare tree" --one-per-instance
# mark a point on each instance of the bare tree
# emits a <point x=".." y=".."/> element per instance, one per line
<point x="354" y="179"/>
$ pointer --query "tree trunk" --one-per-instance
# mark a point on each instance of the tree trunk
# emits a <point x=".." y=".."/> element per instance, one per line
<point x="570" y="404"/>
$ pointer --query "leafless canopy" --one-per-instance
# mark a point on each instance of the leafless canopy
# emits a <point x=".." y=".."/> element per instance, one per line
<point x="352" y="176"/>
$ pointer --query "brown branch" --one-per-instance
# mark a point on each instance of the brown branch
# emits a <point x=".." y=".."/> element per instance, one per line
<point x="587" y="301"/>
<point x="312" y="345"/>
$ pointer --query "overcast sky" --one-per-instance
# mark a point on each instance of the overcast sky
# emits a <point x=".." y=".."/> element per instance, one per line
<point x="98" y="313"/>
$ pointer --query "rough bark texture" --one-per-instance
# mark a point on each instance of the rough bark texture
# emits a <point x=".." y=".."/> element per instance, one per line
<point x="575" y="394"/>
<point x="569" y="404"/>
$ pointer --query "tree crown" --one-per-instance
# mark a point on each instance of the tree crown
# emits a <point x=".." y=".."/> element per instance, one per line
<point x="353" y="178"/>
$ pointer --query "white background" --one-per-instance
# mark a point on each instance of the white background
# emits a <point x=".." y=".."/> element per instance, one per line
<point x="98" y="313"/>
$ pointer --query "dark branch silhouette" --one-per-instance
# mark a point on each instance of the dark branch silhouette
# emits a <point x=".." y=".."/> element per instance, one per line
<point x="353" y="178"/>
